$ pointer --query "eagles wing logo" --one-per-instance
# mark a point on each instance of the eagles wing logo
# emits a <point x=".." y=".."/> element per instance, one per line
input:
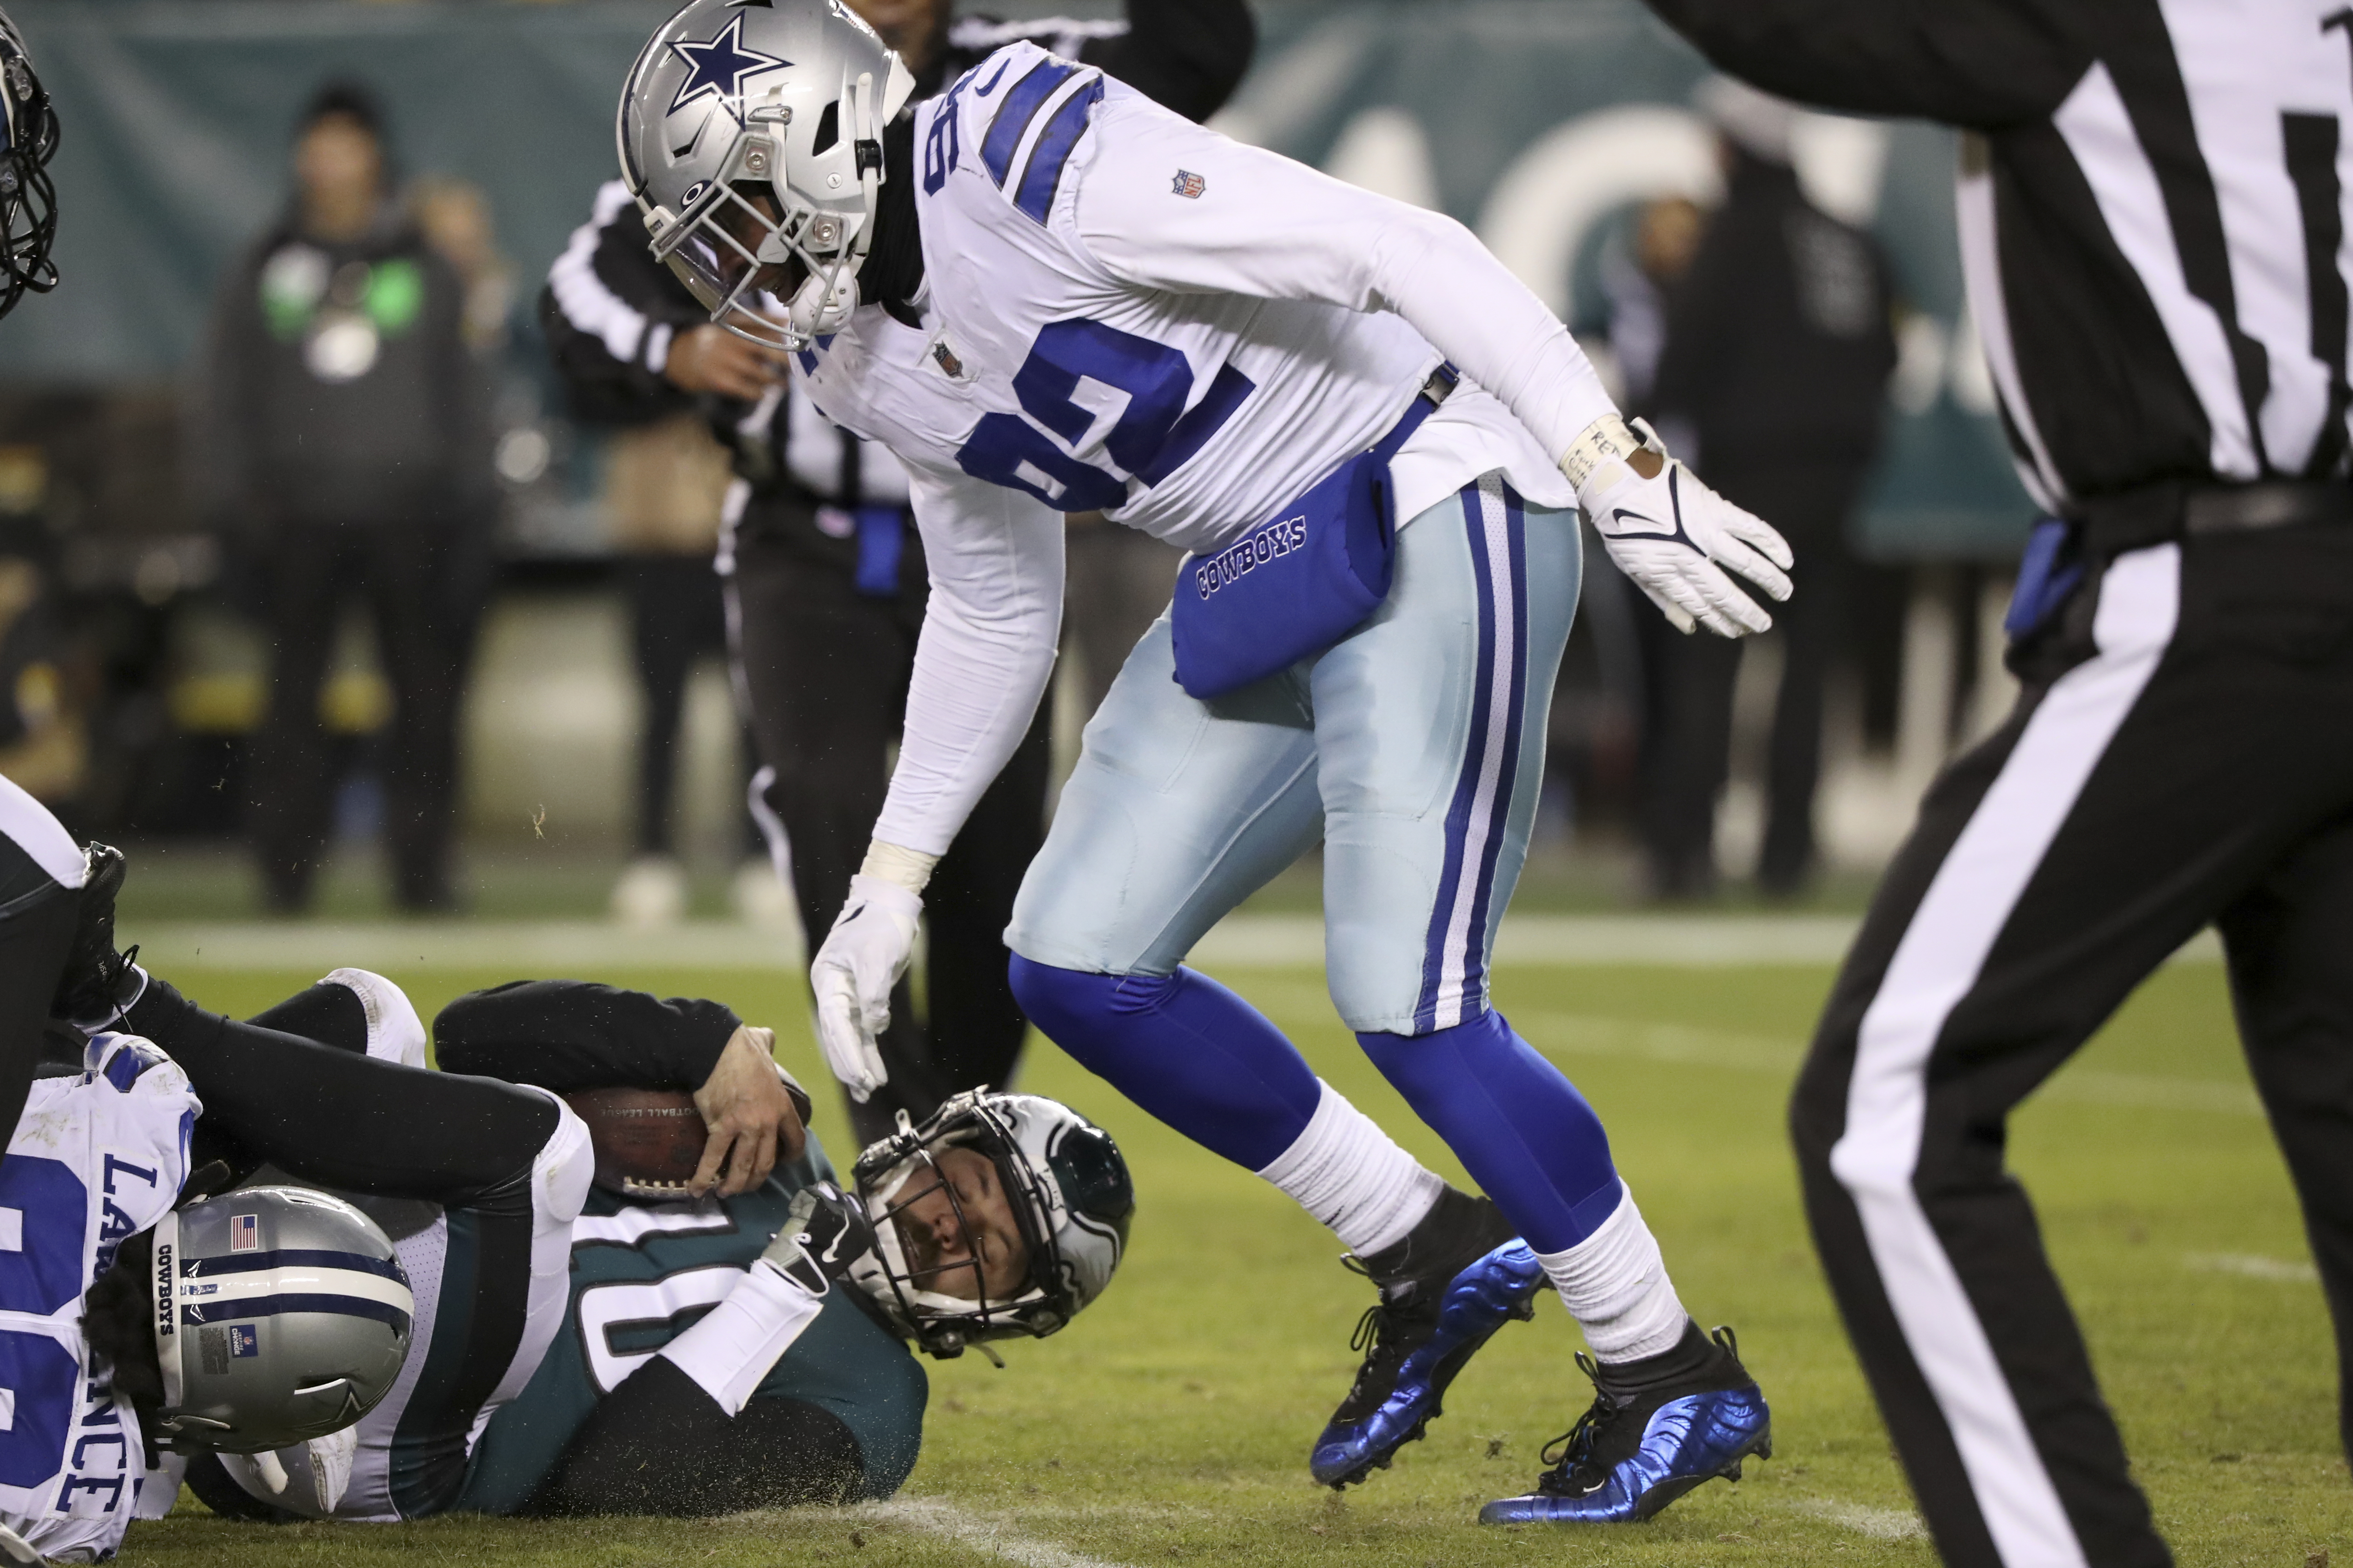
<point x="1189" y="185"/>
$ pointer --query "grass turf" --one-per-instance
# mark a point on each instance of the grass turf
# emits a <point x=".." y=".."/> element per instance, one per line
<point x="1172" y="1423"/>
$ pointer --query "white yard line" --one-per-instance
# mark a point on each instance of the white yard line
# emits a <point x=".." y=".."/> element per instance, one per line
<point x="2289" y="1271"/>
<point x="1879" y="1524"/>
<point x="1241" y="942"/>
<point x="1575" y="1034"/>
<point x="934" y="1516"/>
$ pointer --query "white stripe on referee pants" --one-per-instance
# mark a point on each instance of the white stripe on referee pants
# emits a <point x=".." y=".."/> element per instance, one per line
<point x="1936" y="964"/>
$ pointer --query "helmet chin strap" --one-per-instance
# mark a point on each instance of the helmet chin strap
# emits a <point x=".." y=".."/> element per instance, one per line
<point x="824" y="303"/>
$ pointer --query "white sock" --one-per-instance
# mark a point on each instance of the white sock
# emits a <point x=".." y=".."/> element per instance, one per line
<point x="735" y="1344"/>
<point x="1352" y="1176"/>
<point x="1614" y="1284"/>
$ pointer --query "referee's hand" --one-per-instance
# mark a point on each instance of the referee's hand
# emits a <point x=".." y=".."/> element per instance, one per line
<point x="709" y="358"/>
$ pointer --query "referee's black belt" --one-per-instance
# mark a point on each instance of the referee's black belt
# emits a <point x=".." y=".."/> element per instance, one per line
<point x="2153" y="514"/>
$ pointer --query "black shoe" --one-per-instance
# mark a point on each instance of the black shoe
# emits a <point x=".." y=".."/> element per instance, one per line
<point x="1445" y="1289"/>
<point x="98" y="983"/>
<point x="1657" y="1428"/>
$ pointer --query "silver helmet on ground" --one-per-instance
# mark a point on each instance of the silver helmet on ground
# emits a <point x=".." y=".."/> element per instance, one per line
<point x="1000" y="1217"/>
<point x="28" y="202"/>
<point x="752" y="137"/>
<point x="280" y="1313"/>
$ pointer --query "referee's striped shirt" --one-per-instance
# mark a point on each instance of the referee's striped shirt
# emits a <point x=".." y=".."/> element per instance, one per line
<point x="2152" y="216"/>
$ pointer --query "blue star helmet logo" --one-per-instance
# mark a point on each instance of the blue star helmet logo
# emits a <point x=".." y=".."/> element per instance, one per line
<point x="716" y="67"/>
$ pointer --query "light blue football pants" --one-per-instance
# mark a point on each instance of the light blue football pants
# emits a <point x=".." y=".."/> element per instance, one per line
<point x="1413" y="748"/>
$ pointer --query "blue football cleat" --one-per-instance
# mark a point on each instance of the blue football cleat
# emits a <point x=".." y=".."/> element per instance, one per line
<point x="1426" y="1327"/>
<point x="1642" y="1446"/>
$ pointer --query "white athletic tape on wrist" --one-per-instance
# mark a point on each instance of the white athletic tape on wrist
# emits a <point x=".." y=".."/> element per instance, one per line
<point x="1608" y="440"/>
<point x="908" y="869"/>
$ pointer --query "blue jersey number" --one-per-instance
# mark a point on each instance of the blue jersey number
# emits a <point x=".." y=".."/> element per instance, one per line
<point x="42" y="1380"/>
<point x="1153" y="435"/>
<point x="43" y="1214"/>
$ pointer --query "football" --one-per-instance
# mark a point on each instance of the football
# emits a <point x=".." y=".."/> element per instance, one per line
<point x="648" y="1141"/>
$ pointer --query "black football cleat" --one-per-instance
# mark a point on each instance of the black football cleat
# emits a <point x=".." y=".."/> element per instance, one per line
<point x="1657" y="1428"/>
<point x="98" y="983"/>
<point x="1445" y="1289"/>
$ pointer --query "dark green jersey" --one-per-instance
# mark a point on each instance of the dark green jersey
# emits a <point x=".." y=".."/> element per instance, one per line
<point x="643" y="1273"/>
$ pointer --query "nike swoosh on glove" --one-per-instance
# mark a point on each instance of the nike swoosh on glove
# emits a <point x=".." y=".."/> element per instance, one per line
<point x="862" y="958"/>
<point x="824" y="1232"/>
<point x="1674" y="536"/>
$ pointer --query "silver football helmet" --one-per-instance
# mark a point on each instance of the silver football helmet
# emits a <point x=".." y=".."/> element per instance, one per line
<point x="729" y="103"/>
<point x="281" y="1314"/>
<point x="1071" y="1197"/>
<point x="28" y="202"/>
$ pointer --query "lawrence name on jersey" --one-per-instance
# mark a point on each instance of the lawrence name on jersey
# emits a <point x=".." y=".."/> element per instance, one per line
<point x="1046" y="294"/>
<point x="97" y="1158"/>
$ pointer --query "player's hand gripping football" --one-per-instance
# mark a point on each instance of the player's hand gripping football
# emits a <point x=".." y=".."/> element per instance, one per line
<point x="824" y="1232"/>
<point x="750" y="1116"/>
<point x="862" y="958"/>
<point x="1671" y="534"/>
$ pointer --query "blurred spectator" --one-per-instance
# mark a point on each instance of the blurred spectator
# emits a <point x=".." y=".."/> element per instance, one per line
<point x="1770" y="384"/>
<point x="343" y="434"/>
<point x="456" y="218"/>
<point x="44" y="744"/>
<point x="664" y="487"/>
<point x="1636" y="284"/>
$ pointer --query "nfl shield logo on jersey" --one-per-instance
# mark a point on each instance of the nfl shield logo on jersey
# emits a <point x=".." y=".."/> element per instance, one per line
<point x="1189" y="185"/>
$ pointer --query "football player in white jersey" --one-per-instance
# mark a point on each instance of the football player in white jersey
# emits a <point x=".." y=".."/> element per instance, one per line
<point x="1047" y="295"/>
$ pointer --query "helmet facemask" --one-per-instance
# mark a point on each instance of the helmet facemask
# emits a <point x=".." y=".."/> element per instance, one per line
<point x="1063" y="1185"/>
<point x="29" y="203"/>
<point x="948" y="1304"/>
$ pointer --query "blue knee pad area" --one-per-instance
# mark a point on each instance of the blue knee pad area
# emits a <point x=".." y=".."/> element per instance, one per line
<point x="1185" y="1048"/>
<point x="1514" y="1121"/>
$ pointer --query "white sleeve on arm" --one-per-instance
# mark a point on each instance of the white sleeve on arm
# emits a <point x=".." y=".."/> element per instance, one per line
<point x="985" y="657"/>
<point x="1269" y="228"/>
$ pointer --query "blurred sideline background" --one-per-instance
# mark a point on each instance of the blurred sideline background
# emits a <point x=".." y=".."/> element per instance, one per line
<point x="132" y="681"/>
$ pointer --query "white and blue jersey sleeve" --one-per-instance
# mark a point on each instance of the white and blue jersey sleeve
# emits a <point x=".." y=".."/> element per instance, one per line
<point x="95" y="1158"/>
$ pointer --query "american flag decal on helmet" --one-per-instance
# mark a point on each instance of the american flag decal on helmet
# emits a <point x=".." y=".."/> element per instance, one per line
<point x="244" y="1233"/>
<point x="1189" y="185"/>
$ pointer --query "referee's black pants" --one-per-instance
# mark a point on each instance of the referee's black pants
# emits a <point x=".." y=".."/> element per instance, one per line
<point x="823" y="672"/>
<point x="2182" y="753"/>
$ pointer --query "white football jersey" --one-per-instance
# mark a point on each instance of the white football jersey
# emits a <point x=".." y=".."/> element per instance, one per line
<point x="1178" y="387"/>
<point x="96" y="1158"/>
<point x="1128" y="313"/>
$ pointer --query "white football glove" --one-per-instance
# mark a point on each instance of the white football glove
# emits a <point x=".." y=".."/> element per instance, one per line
<point x="309" y="1478"/>
<point x="1674" y="536"/>
<point x="862" y="958"/>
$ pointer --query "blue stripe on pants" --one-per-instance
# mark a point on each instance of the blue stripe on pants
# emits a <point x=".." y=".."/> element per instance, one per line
<point x="1454" y="962"/>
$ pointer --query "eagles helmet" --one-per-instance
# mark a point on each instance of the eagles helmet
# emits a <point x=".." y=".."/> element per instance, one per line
<point x="728" y="102"/>
<point x="281" y="1314"/>
<point x="28" y="202"/>
<point x="1067" y="1184"/>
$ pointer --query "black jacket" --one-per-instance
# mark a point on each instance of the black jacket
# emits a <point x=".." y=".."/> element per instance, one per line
<point x="1778" y="345"/>
<point x="336" y="386"/>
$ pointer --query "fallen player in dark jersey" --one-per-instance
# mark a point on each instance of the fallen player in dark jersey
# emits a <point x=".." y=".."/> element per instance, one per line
<point x="706" y="1360"/>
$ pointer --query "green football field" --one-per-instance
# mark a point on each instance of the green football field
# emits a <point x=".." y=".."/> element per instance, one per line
<point x="1171" y="1423"/>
